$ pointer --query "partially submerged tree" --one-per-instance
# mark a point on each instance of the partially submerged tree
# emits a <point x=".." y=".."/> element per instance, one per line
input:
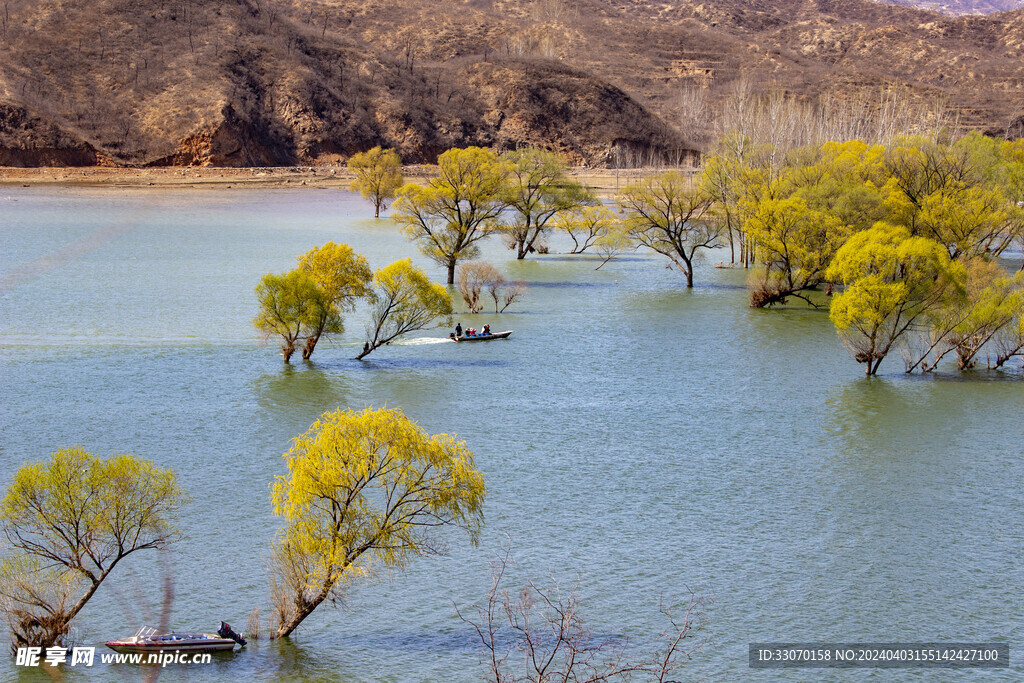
<point x="795" y="243"/>
<point x="994" y="301"/>
<point x="471" y="281"/>
<point x="342" y="277"/>
<point x="287" y="303"/>
<point x="378" y="176"/>
<point x="403" y="300"/>
<point x="538" y="189"/>
<point x="457" y="208"/>
<point x="308" y="302"/>
<point x="546" y="629"/>
<point x="363" y="494"/>
<point x="892" y="281"/>
<point x="585" y="225"/>
<point x="68" y="522"/>
<point x="665" y="214"/>
<point x="505" y="293"/>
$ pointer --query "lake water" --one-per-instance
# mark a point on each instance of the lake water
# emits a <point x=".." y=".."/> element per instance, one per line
<point x="639" y="436"/>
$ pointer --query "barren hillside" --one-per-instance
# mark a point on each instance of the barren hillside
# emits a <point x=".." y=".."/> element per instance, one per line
<point x="282" y="82"/>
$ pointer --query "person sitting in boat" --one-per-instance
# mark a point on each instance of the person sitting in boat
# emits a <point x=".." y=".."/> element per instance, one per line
<point x="458" y="329"/>
<point x="471" y="332"/>
<point x="487" y="329"/>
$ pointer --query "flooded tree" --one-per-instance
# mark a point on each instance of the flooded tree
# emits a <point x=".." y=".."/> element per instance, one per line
<point x="403" y="299"/>
<point x="68" y="522"/>
<point x="287" y="304"/>
<point x="378" y="176"/>
<point x="538" y="189"/>
<point x="365" y="492"/>
<point x="342" y="277"/>
<point x="538" y="633"/>
<point x="308" y="302"/>
<point x="456" y="209"/>
<point x="665" y="214"/>
<point x="471" y="280"/>
<point x="891" y="282"/>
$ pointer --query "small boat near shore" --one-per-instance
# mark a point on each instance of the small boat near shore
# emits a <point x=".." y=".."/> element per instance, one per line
<point x="482" y="337"/>
<point x="146" y="639"/>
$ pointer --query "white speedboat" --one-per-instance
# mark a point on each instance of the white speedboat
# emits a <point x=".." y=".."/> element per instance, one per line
<point x="146" y="639"/>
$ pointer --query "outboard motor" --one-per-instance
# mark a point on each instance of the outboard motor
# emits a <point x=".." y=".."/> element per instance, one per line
<point x="226" y="631"/>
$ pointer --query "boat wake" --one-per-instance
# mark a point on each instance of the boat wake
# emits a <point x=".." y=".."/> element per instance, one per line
<point x="422" y="341"/>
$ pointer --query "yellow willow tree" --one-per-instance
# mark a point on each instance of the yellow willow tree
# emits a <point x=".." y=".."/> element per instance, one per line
<point x="586" y="224"/>
<point x="342" y="277"/>
<point x="378" y="176"/>
<point x="67" y="523"/>
<point x="665" y="213"/>
<point x="994" y="302"/>
<point x="891" y="282"/>
<point x="795" y="243"/>
<point x="456" y="209"/>
<point x="538" y="189"/>
<point x="403" y="300"/>
<point x="364" y="493"/>
<point x="288" y="304"/>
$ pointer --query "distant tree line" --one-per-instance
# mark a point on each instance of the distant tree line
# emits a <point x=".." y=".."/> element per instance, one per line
<point x="904" y="236"/>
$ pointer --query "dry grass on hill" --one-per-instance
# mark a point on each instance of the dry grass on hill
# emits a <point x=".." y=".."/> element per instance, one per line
<point x="282" y="82"/>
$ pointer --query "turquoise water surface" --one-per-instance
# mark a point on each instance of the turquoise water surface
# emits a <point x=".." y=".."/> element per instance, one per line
<point x="642" y="438"/>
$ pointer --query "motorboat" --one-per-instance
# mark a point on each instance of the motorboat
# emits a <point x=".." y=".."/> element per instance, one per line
<point x="146" y="639"/>
<point x="482" y="337"/>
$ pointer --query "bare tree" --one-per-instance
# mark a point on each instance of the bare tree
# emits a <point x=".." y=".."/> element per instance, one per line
<point x="505" y="293"/>
<point x="538" y="634"/>
<point x="471" y="280"/>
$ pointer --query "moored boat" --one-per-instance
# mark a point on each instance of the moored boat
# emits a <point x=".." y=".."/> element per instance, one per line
<point x="482" y="337"/>
<point x="146" y="639"/>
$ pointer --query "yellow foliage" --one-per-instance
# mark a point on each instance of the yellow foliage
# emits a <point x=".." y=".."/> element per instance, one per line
<point x="69" y="521"/>
<point x="378" y="175"/>
<point x="457" y="208"/>
<point x="363" y="490"/>
<point x="341" y="274"/>
<point x="404" y="300"/>
<point x="891" y="279"/>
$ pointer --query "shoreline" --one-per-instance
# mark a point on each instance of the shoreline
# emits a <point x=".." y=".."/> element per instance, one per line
<point x="605" y="182"/>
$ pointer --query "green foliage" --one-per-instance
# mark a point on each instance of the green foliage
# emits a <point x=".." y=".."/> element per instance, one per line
<point x="362" y="494"/>
<point x="404" y="300"/>
<point x="613" y="242"/>
<point x="456" y="209"/>
<point x="308" y="302"/>
<point x="378" y="176"/>
<point x="538" y="189"/>
<point x="289" y="304"/>
<point x="68" y="522"/>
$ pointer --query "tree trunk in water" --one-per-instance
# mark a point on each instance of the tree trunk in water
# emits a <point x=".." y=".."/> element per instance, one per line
<point x="293" y="623"/>
<point x="307" y="350"/>
<point x="451" y="272"/>
<point x="287" y="350"/>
